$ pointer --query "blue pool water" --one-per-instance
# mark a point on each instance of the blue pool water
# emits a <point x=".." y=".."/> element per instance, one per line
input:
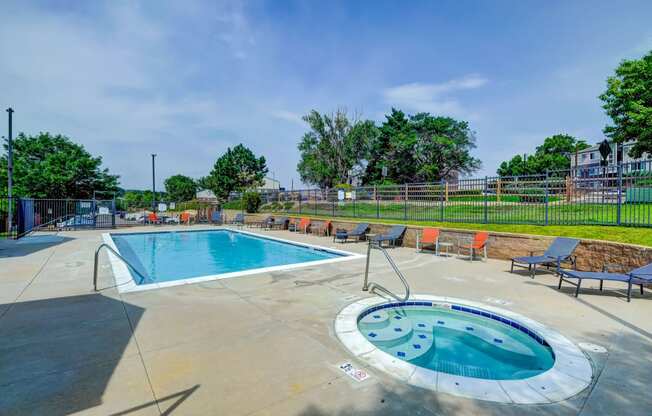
<point x="167" y="256"/>
<point x="457" y="342"/>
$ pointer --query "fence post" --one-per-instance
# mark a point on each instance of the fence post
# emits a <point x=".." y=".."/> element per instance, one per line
<point x="546" y="198"/>
<point x="486" y="201"/>
<point x="405" y="207"/>
<point x="620" y="193"/>
<point x="333" y="206"/>
<point x="442" y="197"/>
<point x="299" y="193"/>
<point x="377" y="203"/>
<point x="353" y="194"/>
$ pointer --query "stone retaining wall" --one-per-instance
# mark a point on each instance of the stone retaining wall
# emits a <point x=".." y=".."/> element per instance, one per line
<point x="591" y="254"/>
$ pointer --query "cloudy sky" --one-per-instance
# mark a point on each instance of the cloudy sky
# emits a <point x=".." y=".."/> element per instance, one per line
<point x="187" y="79"/>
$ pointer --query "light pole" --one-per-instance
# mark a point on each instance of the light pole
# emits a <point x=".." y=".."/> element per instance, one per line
<point x="153" y="182"/>
<point x="10" y="170"/>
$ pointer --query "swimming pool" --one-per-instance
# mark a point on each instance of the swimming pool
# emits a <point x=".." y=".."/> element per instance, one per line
<point x="169" y="258"/>
<point x="464" y="348"/>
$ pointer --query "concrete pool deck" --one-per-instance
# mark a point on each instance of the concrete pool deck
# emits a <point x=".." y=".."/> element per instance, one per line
<point x="264" y="344"/>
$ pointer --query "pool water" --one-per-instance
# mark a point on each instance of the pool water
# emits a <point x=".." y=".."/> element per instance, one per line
<point x="457" y="342"/>
<point x="168" y="256"/>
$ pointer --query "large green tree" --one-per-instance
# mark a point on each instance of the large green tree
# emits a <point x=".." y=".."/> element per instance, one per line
<point x="554" y="154"/>
<point x="628" y="101"/>
<point x="332" y="151"/>
<point x="420" y="148"/>
<point x="236" y="170"/>
<point x="180" y="188"/>
<point x="52" y="166"/>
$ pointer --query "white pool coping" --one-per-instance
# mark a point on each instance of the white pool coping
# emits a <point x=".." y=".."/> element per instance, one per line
<point x="570" y="374"/>
<point x="125" y="283"/>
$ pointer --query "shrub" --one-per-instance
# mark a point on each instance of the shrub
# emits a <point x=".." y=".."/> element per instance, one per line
<point x="251" y="201"/>
<point x="235" y="204"/>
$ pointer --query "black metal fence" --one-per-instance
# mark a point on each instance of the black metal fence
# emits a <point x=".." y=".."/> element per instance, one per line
<point x="612" y="195"/>
<point x="34" y="214"/>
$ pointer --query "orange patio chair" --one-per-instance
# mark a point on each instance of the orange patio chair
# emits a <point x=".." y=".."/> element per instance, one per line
<point x="304" y="224"/>
<point x="185" y="218"/>
<point x="152" y="218"/>
<point x="479" y="243"/>
<point x="429" y="238"/>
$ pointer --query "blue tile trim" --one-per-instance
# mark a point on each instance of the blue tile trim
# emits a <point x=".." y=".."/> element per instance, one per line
<point x="460" y="308"/>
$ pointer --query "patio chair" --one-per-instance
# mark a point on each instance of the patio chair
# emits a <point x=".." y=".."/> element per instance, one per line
<point x="392" y="237"/>
<point x="560" y="251"/>
<point x="216" y="217"/>
<point x="429" y="238"/>
<point x="152" y="218"/>
<point x="321" y="228"/>
<point x="239" y="219"/>
<point x="358" y="233"/>
<point x="640" y="276"/>
<point x="265" y="223"/>
<point x="302" y="226"/>
<point x="184" y="218"/>
<point x="280" y="223"/>
<point x="479" y="243"/>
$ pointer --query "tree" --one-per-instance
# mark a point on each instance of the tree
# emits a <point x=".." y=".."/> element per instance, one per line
<point x="628" y="101"/>
<point x="420" y="148"/>
<point x="553" y="154"/>
<point x="180" y="188"/>
<point x="236" y="170"/>
<point x="47" y="166"/>
<point x="333" y="150"/>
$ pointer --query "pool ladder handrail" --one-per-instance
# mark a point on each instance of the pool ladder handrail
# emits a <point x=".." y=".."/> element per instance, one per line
<point x="372" y="286"/>
<point x="112" y="250"/>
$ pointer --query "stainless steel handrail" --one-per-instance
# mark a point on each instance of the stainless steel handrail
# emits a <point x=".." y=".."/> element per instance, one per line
<point x="97" y="255"/>
<point x="372" y="286"/>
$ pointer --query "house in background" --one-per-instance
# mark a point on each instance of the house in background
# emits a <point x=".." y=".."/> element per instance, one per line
<point x="269" y="184"/>
<point x="588" y="160"/>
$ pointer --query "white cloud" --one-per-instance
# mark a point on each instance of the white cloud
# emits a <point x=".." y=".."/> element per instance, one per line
<point x="287" y="116"/>
<point x="433" y="98"/>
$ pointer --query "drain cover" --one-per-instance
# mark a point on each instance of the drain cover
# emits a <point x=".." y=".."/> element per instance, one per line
<point x="592" y="347"/>
<point x="498" y="301"/>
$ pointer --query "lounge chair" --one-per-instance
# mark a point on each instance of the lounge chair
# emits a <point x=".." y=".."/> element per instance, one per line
<point x="429" y="238"/>
<point x="358" y="233"/>
<point x="216" y="217"/>
<point x="393" y="236"/>
<point x="479" y="242"/>
<point x="560" y="251"/>
<point x="239" y="219"/>
<point x="280" y="223"/>
<point x="640" y="276"/>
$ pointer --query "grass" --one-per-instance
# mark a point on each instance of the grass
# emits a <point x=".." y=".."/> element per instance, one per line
<point x="630" y="235"/>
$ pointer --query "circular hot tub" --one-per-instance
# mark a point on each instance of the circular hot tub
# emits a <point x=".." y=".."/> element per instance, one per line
<point x="464" y="348"/>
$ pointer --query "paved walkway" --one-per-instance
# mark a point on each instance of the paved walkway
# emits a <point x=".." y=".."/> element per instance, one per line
<point x="264" y="344"/>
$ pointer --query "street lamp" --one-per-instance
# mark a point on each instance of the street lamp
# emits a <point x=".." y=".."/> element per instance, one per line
<point x="153" y="182"/>
<point x="10" y="170"/>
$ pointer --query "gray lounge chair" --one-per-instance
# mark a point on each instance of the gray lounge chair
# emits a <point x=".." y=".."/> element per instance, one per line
<point x="358" y="233"/>
<point x="560" y="250"/>
<point x="640" y="276"/>
<point x="281" y="223"/>
<point x="393" y="236"/>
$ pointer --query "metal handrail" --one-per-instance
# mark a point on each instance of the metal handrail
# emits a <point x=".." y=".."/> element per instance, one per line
<point x="371" y="286"/>
<point x="97" y="255"/>
<point x="39" y="226"/>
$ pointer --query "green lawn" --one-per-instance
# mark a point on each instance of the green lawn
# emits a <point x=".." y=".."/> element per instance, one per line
<point x="474" y="212"/>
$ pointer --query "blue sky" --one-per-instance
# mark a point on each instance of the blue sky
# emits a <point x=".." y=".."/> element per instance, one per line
<point x="187" y="79"/>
